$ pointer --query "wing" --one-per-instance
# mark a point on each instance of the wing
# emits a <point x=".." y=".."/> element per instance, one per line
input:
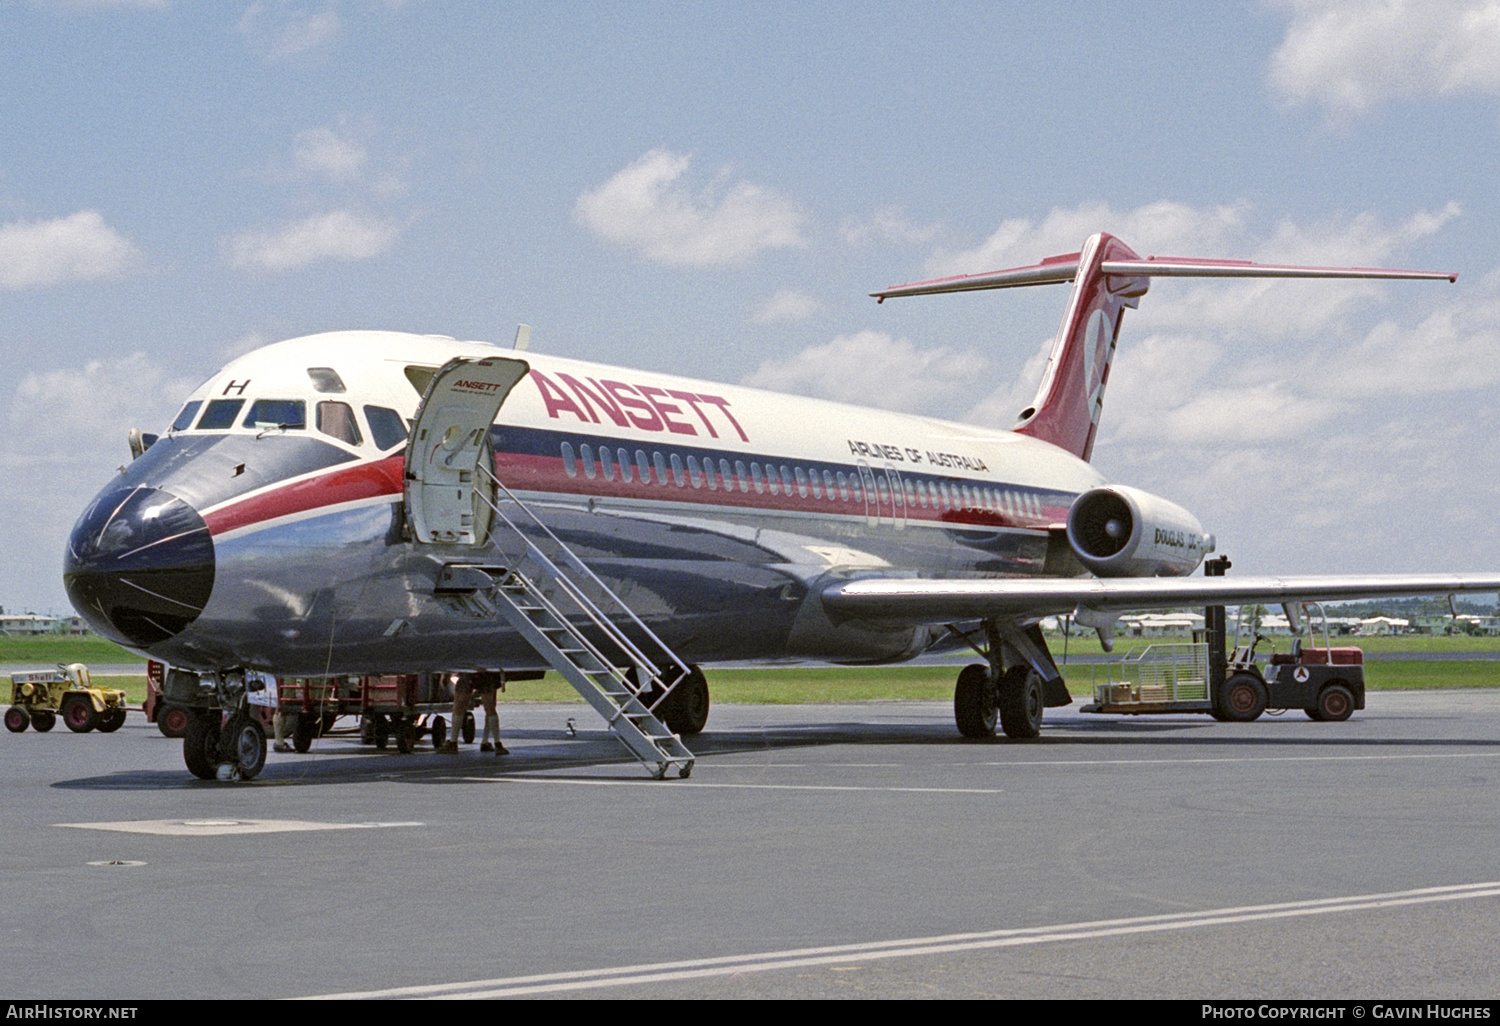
<point x="897" y="600"/>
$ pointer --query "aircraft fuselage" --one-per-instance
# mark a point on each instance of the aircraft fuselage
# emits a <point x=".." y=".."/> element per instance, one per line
<point x="267" y="529"/>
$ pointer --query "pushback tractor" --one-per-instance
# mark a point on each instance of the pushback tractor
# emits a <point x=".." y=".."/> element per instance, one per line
<point x="38" y="700"/>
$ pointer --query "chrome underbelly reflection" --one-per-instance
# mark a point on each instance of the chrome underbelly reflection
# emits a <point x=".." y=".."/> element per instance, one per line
<point x="342" y="592"/>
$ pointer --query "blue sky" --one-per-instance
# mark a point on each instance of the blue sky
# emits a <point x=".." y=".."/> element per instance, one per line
<point x="713" y="188"/>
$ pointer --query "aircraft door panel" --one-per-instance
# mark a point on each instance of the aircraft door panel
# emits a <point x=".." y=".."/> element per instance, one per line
<point x="898" y="496"/>
<point x="446" y="498"/>
<point x="872" y="497"/>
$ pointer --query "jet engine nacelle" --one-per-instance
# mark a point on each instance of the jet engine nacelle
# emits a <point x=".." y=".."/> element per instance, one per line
<point x="1124" y="532"/>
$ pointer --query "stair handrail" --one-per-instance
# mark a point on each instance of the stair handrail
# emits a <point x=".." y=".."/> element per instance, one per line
<point x="576" y="561"/>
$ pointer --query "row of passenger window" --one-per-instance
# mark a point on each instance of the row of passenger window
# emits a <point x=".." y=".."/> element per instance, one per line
<point x="862" y="486"/>
<point x="334" y="419"/>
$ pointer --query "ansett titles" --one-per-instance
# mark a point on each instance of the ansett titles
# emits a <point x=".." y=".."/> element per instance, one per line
<point x="646" y="407"/>
<point x="906" y="454"/>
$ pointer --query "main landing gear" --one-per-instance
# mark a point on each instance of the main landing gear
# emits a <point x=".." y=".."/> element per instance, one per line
<point x="1017" y="702"/>
<point x="1007" y="691"/>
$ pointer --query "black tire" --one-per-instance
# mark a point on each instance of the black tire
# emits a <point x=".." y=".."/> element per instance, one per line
<point x="367" y="730"/>
<point x="380" y="731"/>
<point x="975" y="702"/>
<point x="685" y="711"/>
<point x="305" y="731"/>
<point x="406" y="736"/>
<point x="468" y="731"/>
<point x="1244" y="698"/>
<point x="111" y="721"/>
<point x="1022" y="702"/>
<point x="439" y="732"/>
<point x="79" y="715"/>
<point x="43" y="720"/>
<point x="1335" y="703"/>
<point x="247" y="745"/>
<point x="17" y="719"/>
<point x="172" y="720"/>
<point x="200" y="745"/>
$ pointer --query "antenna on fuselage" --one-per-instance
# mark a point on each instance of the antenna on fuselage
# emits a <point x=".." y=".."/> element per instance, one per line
<point x="523" y="338"/>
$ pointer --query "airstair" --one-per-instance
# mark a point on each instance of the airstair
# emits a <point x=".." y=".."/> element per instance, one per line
<point x="572" y="618"/>
<point x="529" y="577"/>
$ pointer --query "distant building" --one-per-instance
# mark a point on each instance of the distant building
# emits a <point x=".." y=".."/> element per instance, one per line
<point x="32" y="624"/>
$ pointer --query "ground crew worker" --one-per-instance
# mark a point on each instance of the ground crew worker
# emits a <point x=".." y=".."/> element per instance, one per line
<point x="486" y="682"/>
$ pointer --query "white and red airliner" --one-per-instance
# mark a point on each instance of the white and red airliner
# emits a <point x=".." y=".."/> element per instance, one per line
<point x="290" y="522"/>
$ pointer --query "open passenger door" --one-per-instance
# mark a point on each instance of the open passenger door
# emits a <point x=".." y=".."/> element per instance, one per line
<point x="447" y="499"/>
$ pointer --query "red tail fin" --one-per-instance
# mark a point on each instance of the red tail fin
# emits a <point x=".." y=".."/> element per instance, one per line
<point x="1107" y="277"/>
<point x="1066" y="409"/>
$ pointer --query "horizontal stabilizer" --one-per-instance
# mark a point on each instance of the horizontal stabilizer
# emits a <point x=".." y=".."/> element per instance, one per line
<point x="1059" y="270"/>
<point x="1108" y="278"/>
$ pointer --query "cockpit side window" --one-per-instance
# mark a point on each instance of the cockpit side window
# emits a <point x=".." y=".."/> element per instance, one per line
<point x="387" y="429"/>
<point x="220" y="414"/>
<point x="287" y="414"/>
<point x="326" y="379"/>
<point x="185" y="418"/>
<point x="337" y="420"/>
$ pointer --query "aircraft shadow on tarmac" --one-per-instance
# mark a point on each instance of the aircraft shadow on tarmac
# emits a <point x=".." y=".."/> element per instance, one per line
<point x="335" y="761"/>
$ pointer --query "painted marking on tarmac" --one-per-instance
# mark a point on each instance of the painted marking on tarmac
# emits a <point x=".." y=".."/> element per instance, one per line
<point x="1045" y="763"/>
<point x="798" y="958"/>
<point x="1253" y="758"/>
<point x="584" y="782"/>
<point x="220" y="827"/>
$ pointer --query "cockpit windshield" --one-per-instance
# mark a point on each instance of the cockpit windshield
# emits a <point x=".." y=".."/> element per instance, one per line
<point x="287" y="414"/>
<point x="185" y="418"/>
<point x="220" y="414"/>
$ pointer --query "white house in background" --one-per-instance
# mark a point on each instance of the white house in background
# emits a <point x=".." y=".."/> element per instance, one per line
<point x="1383" y="625"/>
<point x="25" y="624"/>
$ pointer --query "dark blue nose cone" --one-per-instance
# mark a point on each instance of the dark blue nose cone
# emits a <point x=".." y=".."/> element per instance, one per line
<point x="140" y="566"/>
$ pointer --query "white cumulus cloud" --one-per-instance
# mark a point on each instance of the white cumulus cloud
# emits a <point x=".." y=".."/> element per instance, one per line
<point x="1350" y="56"/>
<point x="79" y="247"/>
<point x="648" y="207"/>
<point x="1164" y="227"/>
<point x="328" y="154"/>
<point x="338" y="235"/>
<point x="278" y="29"/>
<point x="786" y="305"/>
<point x="888" y="224"/>
<point x="873" y="369"/>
